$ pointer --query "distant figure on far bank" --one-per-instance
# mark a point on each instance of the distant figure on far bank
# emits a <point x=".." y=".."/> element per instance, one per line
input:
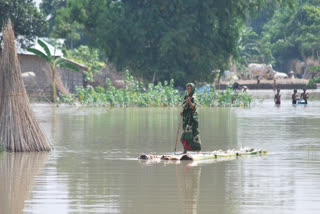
<point x="305" y="96"/>
<point x="277" y="97"/>
<point x="236" y="86"/>
<point x="294" y="97"/>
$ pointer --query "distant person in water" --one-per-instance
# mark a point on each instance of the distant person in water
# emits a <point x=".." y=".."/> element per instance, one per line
<point x="294" y="97"/>
<point x="305" y="96"/>
<point x="236" y="86"/>
<point x="277" y="97"/>
<point x="191" y="135"/>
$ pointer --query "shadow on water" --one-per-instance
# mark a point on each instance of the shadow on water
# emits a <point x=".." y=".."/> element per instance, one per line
<point x="17" y="171"/>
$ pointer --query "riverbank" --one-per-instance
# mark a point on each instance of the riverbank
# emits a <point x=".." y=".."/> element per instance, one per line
<point x="269" y="84"/>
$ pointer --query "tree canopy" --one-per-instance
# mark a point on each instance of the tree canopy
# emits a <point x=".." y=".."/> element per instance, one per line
<point x="292" y="33"/>
<point x="25" y="17"/>
<point x="180" y="39"/>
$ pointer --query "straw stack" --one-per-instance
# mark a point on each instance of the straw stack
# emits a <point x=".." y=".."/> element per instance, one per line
<point x="59" y="85"/>
<point x="19" y="128"/>
<point x="17" y="174"/>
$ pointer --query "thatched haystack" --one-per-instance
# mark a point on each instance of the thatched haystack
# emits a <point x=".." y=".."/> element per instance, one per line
<point x="19" y="128"/>
<point x="59" y="84"/>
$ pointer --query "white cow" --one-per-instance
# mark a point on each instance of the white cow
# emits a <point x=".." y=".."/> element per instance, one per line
<point x="280" y="75"/>
<point x="259" y="70"/>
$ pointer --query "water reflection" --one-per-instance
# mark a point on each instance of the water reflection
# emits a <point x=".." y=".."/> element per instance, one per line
<point x="188" y="184"/>
<point x="17" y="171"/>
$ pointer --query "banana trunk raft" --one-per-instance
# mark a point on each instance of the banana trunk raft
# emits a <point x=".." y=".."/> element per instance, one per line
<point x="204" y="156"/>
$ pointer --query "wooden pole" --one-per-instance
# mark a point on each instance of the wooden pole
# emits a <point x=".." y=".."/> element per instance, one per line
<point x="175" y="148"/>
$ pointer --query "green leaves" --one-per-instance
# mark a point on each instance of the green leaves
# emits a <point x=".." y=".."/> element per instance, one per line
<point x="40" y="54"/>
<point x="63" y="63"/>
<point x="184" y="40"/>
<point x="45" y="48"/>
<point x="292" y="33"/>
<point x="136" y="94"/>
<point x="25" y="17"/>
<point x="89" y="57"/>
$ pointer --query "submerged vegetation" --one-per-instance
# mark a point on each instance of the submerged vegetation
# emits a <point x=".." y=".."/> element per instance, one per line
<point x="135" y="94"/>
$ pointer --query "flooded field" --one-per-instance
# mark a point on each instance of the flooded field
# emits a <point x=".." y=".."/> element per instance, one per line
<point x="94" y="166"/>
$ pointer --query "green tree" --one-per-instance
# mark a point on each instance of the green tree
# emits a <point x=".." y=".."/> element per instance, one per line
<point x="248" y="49"/>
<point x="292" y="33"/>
<point x="49" y="9"/>
<point x="25" y="17"/>
<point x="184" y="40"/>
<point x="60" y="25"/>
<point x="88" y="57"/>
<point x="54" y="62"/>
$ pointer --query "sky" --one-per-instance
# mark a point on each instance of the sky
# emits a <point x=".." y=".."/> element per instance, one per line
<point x="37" y="2"/>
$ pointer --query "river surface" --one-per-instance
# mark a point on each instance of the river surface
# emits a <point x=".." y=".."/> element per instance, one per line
<point x="94" y="168"/>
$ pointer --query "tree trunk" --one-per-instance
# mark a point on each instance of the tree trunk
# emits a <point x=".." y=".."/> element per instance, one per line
<point x="154" y="77"/>
<point x="54" y="84"/>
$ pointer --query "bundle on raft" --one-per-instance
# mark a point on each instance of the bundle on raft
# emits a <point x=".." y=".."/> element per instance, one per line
<point x="204" y="156"/>
<point x="19" y="128"/>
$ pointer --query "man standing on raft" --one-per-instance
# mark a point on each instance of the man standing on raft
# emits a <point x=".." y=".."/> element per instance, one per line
<point x="191" y="135"/>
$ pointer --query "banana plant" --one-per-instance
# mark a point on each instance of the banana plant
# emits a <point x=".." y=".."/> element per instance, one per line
<point x="54" y="63"/>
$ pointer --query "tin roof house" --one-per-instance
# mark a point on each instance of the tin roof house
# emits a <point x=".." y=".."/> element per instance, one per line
<point x="41" y="85"/>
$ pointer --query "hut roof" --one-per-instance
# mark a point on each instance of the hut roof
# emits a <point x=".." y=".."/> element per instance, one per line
<point x="55" y="51"/>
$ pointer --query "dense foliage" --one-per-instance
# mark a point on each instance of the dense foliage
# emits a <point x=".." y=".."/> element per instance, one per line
<point x="248" y="50"/>
<point x="62" y="24"/>
<point x="136" y="94"/>
<point x="25" y="17"/>
<point x="88" y="57"/>
<point x="49" y="9"/>
<point x="314" y="79"/>
<point x="292" y="33"/>
<point x="229" y="97"/>
<point x="160" y="40"/>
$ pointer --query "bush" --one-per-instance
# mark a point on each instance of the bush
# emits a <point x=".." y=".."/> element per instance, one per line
<point x="313" y="82"/>
<point x="229" y="97"/>
<point x="135" y="94"/>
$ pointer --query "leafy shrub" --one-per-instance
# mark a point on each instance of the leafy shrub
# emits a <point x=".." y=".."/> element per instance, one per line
<point x="135" y="94"/>
<point x="313" y="82"/>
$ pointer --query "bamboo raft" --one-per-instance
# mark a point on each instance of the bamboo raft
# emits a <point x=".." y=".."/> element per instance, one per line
<point x="204" y="156"/>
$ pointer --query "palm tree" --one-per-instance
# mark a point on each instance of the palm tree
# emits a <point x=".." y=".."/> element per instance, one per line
<point x="54" y="63"/>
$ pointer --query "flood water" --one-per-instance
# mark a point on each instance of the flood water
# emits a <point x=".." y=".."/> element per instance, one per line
<point x="94" y="166"/>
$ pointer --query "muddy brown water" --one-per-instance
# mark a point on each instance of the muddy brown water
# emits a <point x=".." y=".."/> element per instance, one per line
<point x="94" y="167"/>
